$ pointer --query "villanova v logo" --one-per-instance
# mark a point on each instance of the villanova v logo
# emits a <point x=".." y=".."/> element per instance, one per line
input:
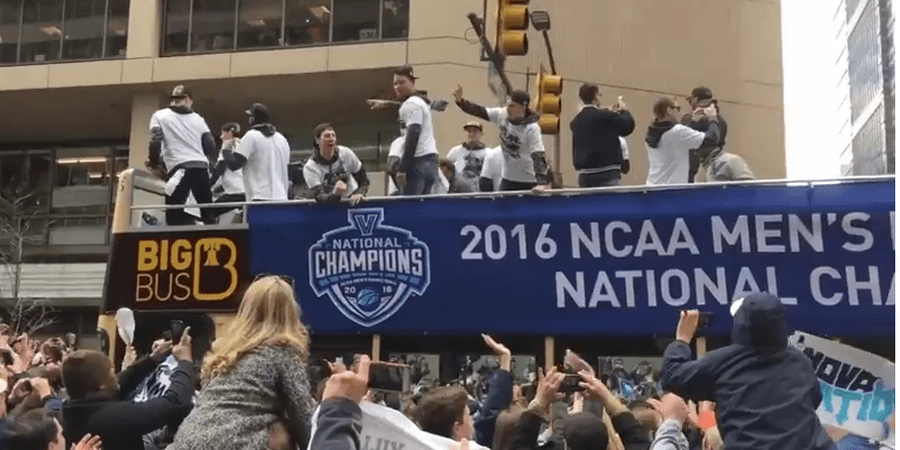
<point x="367" y="269"/>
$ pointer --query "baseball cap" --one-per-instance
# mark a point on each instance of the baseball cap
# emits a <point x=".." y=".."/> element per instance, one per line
<point x="181" y="92"/>
<point x="702" y="93"/>
<point x="406" y="71"/>
<point x="473" y="125"/>
<point x="259" y="112"/>
<point x="520" y="97"/>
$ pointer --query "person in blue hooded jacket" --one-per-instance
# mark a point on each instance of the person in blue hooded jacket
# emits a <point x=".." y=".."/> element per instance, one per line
<point x="766" y="393"/>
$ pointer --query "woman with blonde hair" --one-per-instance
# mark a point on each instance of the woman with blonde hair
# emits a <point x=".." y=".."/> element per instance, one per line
<point x="254" y="378"/>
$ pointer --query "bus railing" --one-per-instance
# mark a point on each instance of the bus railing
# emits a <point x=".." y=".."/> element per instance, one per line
<point x="144" y="181"/>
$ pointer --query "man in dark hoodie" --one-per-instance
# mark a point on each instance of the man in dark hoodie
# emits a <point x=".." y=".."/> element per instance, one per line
<point x="180" y="146"/>
<point x="766" y="393"/>
<point x="264" y="155"/>
<point x="669" y="143"/>
<point x="524" y="160"/>
<point x="596" y="150"/>
<point x="702" y="97"/>
<point x="96" y="404"/>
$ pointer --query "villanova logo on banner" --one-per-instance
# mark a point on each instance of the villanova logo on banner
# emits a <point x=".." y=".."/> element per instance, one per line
<point x="369" y="270"/>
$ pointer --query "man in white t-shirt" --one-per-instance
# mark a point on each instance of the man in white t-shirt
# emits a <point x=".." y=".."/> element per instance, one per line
<point x="180" y="141"/>
<point x="334" y="172"/>
<point x="468" y="157"/>
<point x="263" y="155"/>
<point x="669" y="143"/>
<point x="525" y="163"/>
<point x="492" y="171"/>
<point x="441" y="186"/>
<point x="418" y="163"/>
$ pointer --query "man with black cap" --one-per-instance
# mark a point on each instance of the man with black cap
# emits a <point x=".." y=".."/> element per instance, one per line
<point x="524" y="160"/>
<point x="180" y="142"/>
<point x="468" y="157"/>
<point x="597" y="152"/>
<point x="264" y="155"/>
<point x="702" y="97"/>
<point x="766" y="393"/>
<point x="418" y="164"/>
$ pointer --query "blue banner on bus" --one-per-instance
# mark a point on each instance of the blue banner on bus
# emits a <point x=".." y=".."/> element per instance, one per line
<point x="617" y="263"/>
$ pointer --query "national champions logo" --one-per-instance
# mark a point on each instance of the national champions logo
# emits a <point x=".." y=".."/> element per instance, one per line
<point x="369" y="270"/>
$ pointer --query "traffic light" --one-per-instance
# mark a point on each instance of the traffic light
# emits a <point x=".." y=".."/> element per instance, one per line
<point x="512" y="22"/>
<point x="549" y="102"/>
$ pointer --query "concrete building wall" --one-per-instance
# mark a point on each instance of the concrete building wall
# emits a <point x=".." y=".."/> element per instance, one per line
<point x="639" y="49"/>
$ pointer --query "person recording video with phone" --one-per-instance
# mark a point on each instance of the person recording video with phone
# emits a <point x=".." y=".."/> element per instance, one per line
<point x="596" y="150"/>
<point x="719" y="164"/>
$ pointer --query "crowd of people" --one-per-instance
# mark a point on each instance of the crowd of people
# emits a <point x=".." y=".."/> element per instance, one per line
<point x="256" y="166"/>
<point x="254" y="390"/>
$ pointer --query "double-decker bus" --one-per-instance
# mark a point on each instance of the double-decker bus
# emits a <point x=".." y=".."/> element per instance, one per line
<point x="604" y="271"/>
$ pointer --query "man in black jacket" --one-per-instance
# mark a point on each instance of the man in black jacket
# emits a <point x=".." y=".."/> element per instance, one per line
<point x="702" y="97"/>
<point x="596" y="149"/>
<point x="766" y="393"/>
<point x="97" y="404"/>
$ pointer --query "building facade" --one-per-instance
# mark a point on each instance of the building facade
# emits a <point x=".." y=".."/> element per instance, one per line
<point x="79" y="80"/>
<point x="865" y="86"/>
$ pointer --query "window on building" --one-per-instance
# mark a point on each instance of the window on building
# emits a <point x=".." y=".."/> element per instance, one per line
<point x="213" y="25"/>
<point x="83" y="37"/>
<point x="178" y="23"/>
<point x="13" y="174"/>
<point x="117" y="28"/>
<point x="10" y="14"/>
<point x="307" y="22"/>
<point x="42" y="30"/>
<point x="356" y="20"/>
<point x="395" y="19"/>
<point x="259" y="23"/>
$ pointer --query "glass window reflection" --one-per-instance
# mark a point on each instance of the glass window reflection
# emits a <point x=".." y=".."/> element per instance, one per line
<point x="83" y="38"/>
<point x="178" y="16"/>
<point x="356" y="20"/>
<point x="117" y="29"/>
<point x="213" y="28"/>
<point x="41" y="30"/>
<point x="259" y="23"/>
<point x="10" y="13"/>
<point x="395" y="19"/>
<point x="307" y="22"/>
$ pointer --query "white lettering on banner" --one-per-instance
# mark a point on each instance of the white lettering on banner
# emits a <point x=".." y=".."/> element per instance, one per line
<point x="676" y="287"/>
<point x="857" y="387"/>
<point x="763" y="234"/>
<point x="813" y="236"/>
<point x="649" y="241"/>
<point x="740" y="234"/>
<point x="613" y="226"/>
<point x="866" y="235"/>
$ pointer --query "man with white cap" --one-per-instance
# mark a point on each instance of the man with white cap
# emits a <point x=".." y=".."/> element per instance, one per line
<point x="766" y="393"/>
<point x="180" y="145"/>
<point x="468" y="157"/>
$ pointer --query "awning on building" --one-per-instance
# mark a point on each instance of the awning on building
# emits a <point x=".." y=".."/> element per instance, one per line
<point x="68" y="284"/>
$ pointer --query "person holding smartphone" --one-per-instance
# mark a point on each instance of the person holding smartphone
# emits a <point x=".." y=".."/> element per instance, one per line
<point x="597" y="151"/>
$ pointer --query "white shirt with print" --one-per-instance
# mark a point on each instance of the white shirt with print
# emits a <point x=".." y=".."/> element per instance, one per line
<point x="182" y="137"/>
<point x="414" y="111"/>
<point x="468" y="163"/>
<point x="518" y="142"/>
<point x="670" y="160"/>
<point x="266" y="172"/>
<point x="327" y="175"/>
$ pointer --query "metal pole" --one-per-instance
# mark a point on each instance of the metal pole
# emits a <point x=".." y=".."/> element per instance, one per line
<point x="376" y="347"/>
<point x="549" y="357"/>
<point x="492" y="55"/>
<point x="557" y="155"/>
<point x="549" y="52"/>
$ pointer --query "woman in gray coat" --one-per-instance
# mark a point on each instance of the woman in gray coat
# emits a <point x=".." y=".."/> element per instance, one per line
<point x="254" y="377"/>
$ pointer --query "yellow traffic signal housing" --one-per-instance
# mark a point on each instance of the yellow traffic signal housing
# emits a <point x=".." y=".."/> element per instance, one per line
<point x="549" y="102"/>
<point x="512" y="22"/>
